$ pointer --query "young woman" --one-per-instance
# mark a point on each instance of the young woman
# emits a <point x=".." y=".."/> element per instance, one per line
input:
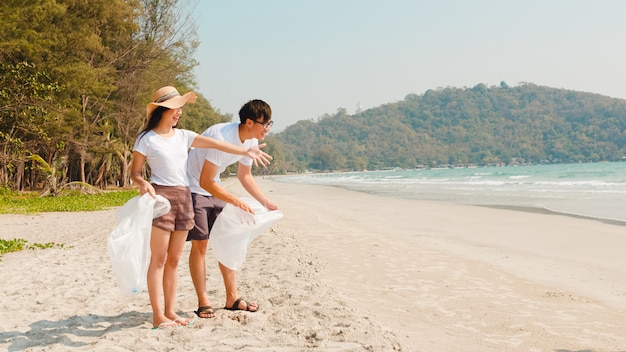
<point x="165" y="149"/>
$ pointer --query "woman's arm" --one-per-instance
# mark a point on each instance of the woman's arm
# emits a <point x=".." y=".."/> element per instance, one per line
<point x="135" y="174"/>
<point x="254" y="153"/>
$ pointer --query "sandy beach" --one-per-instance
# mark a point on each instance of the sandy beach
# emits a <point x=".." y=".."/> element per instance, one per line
<point x="342" y="271"/>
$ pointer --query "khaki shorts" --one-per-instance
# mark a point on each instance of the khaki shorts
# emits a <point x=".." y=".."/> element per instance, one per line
<point x="206" y="209"/>
<point x="180" y="216"/>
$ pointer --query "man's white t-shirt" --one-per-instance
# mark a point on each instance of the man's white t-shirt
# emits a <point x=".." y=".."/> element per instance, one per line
<point x="167" y="157"/>
<point x="228" y="132"/>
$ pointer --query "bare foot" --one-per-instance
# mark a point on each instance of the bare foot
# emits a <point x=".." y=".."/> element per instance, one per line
<point x="180" y="321"/>
<point x="164" y="324"/>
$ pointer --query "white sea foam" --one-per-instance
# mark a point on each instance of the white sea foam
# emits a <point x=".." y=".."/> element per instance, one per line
<point x="595" y="189"/>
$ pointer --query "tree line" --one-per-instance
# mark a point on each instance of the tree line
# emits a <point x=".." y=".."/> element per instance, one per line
<point x="481" y="125"/>
<point x="75" y="77"/>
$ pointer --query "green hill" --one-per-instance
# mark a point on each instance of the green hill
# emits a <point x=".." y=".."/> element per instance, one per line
<point x="455" y="126"/>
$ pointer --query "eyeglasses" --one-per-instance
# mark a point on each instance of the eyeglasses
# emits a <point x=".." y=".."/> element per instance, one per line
<point x="265" y="124"/>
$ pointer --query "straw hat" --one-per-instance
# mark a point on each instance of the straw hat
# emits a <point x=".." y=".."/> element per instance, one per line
<point x="170" y="98"/>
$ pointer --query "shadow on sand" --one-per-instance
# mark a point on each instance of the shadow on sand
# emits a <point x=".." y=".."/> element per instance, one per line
<point x="47" y="332"/>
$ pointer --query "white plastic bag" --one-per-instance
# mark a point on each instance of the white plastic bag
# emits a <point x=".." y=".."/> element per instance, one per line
<point x="234" y="229"/>
<point x="129" y="243"/>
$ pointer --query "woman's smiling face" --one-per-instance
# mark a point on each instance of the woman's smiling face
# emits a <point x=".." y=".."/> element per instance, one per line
<point x="172" y="116"/>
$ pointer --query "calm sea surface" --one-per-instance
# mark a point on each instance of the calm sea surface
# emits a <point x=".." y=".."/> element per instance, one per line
<point x="595" y="190"/>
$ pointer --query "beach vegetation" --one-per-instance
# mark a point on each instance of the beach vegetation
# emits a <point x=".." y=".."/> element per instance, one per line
<point x="66" y="201"/>
<point x="18" y="244"/>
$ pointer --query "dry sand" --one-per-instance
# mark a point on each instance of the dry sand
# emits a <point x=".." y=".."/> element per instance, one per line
<point x="342" y="271"/>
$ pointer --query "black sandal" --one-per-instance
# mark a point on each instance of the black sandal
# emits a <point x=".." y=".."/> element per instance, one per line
<point x="205" y="310"/>
<point x="235" y="306"/>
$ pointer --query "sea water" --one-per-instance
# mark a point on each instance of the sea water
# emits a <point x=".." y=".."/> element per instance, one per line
<point x="595" y="190"/>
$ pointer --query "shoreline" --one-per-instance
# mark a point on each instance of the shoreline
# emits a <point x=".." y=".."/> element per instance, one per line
<point x="590" y="190"/>
<point x="521" y="208"/>
<point x="538" y="210"/>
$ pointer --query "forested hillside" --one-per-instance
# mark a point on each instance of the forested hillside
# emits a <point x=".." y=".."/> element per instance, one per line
<point x="457" y="126"/>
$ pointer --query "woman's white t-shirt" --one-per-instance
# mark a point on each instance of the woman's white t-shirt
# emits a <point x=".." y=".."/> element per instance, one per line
<point x="167" y="156"/>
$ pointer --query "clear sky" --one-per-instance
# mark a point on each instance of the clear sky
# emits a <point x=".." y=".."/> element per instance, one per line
<point x="307" y="58"/>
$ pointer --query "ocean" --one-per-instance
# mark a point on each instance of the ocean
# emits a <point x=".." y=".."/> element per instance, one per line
<point x="591" y="190"/>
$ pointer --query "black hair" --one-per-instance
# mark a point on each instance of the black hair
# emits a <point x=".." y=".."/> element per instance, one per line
<point x="255" y="109"/>
<point x="154" y="120"/>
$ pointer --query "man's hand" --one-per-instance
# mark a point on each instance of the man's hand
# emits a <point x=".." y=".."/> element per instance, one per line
<point x="242" y="205"/>
<point x="269" y="205"/>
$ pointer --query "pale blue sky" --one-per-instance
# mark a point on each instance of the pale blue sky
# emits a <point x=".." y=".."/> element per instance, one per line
<point x="311" y="57"/>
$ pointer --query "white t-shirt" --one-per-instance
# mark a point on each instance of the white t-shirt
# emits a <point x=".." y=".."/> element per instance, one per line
<point x="167" y="157"/>
<point x="228" y="132"/>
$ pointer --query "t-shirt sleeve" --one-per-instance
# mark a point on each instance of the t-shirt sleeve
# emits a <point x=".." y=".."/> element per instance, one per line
<point x="141" y="145"/>
<point x="189" y="136"/>
<point x="247" y="161"/>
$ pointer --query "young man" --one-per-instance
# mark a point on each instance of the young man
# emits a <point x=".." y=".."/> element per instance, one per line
<point x="209" y="198"/>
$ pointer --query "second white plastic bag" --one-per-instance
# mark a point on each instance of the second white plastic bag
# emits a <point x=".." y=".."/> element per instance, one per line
<point x="234" y="229"/>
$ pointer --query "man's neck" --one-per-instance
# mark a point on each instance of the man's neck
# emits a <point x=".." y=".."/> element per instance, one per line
<point x="242" y="133"/>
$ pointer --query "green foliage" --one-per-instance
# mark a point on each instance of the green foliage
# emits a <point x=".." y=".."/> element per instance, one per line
<point x="18" y="244"/>
<point x="42" y="164"/>
<point x="14" y="245"/>
<point x="27" y="120"/>
<point x="69" y="201"/>
<point x="5" y="191"/>
<point x="75" y="77"/>
<point x="480" y="125"/>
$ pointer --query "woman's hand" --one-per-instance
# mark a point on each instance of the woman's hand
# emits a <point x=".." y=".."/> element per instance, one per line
<point x="258" y="156"/>
<point x="146" y="187"/>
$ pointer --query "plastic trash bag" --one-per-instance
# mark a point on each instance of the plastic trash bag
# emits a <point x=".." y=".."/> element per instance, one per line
<point x="129" y="243"/>
<point x="234" y="229"/>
